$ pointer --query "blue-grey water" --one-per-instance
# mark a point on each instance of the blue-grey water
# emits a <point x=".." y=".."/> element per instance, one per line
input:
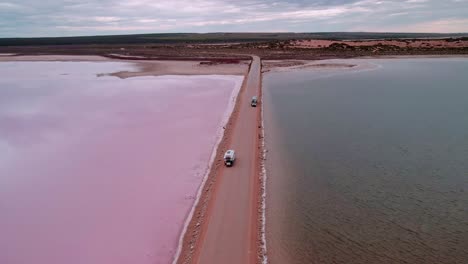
<point x="368" y="166"/>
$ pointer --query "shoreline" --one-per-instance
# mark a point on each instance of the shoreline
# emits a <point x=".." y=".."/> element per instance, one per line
<point x="276" y="166"/>
<point x="292" y="46"/>
<point x="151" y="67"/>
<point x="339" y="63"/>
<point x="143" y="67"/>
<point x="262" y="191"/>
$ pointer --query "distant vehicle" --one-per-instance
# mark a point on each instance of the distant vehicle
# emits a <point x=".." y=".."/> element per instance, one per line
<point x="254" y="101"/>
<point x="229" y="158"/>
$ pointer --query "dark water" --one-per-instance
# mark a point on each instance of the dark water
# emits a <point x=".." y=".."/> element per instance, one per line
<point x="369" y="166"/>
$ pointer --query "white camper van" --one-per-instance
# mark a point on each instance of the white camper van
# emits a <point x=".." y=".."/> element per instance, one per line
<point x="229" y="158"/>
<point x="254" y="101"/>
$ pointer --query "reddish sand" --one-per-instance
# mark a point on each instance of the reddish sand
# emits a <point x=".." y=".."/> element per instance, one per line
<point x="102" y="170"/>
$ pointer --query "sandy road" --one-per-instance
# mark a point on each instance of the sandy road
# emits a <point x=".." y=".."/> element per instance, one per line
<point x="230" y="235"/>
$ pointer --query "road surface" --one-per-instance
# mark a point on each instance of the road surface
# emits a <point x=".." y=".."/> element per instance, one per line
<point x="230" y="234"/>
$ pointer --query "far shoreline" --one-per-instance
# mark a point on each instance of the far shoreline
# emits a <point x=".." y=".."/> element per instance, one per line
<point x="190" y="66"/>
<point x="271" y="66"/>
<point x="143" y="67"/>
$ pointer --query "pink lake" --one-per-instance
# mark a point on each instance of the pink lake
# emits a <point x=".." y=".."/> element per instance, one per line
<point x="101" y="170"/>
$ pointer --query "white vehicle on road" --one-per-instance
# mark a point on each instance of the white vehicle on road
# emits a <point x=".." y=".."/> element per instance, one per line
<point x="229" y="157"/>
<point x="254" y="101"/>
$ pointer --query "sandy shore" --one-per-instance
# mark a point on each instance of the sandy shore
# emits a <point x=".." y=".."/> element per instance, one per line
<point x="262" y="257"/>
<point x="290" y="65"/>
<point x="148" y="68"/>
<point x="155" y="68"/>
<point x="342" y="64"/>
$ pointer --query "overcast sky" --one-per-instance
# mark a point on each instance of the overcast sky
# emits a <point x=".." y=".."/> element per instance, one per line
<point x="32" y="18"/>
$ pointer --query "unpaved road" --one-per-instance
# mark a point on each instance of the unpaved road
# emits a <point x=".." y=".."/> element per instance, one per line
<point x="230" y="235"/>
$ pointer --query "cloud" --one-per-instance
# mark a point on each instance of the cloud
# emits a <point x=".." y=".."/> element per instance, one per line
<point x="106" y="19"/>
<point x="74" y="17"/>
<point x="8" y="5"/>
<point x="452" y="25"/>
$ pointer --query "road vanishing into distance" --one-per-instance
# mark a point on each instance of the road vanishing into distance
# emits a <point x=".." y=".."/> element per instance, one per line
<point x="230" y="236"/>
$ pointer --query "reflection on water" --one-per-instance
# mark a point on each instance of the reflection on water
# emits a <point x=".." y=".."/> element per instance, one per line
<point x="371" y="166"/>
<point x="90" y="167"/>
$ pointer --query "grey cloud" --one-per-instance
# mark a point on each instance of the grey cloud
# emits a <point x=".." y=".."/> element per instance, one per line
<point x="73" y="17"/>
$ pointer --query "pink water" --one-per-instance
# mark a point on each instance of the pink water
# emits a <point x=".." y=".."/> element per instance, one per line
<point x="99" y="170"/>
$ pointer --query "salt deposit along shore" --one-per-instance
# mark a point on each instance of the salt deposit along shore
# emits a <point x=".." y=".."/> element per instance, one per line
<point x="103" y="169"/>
